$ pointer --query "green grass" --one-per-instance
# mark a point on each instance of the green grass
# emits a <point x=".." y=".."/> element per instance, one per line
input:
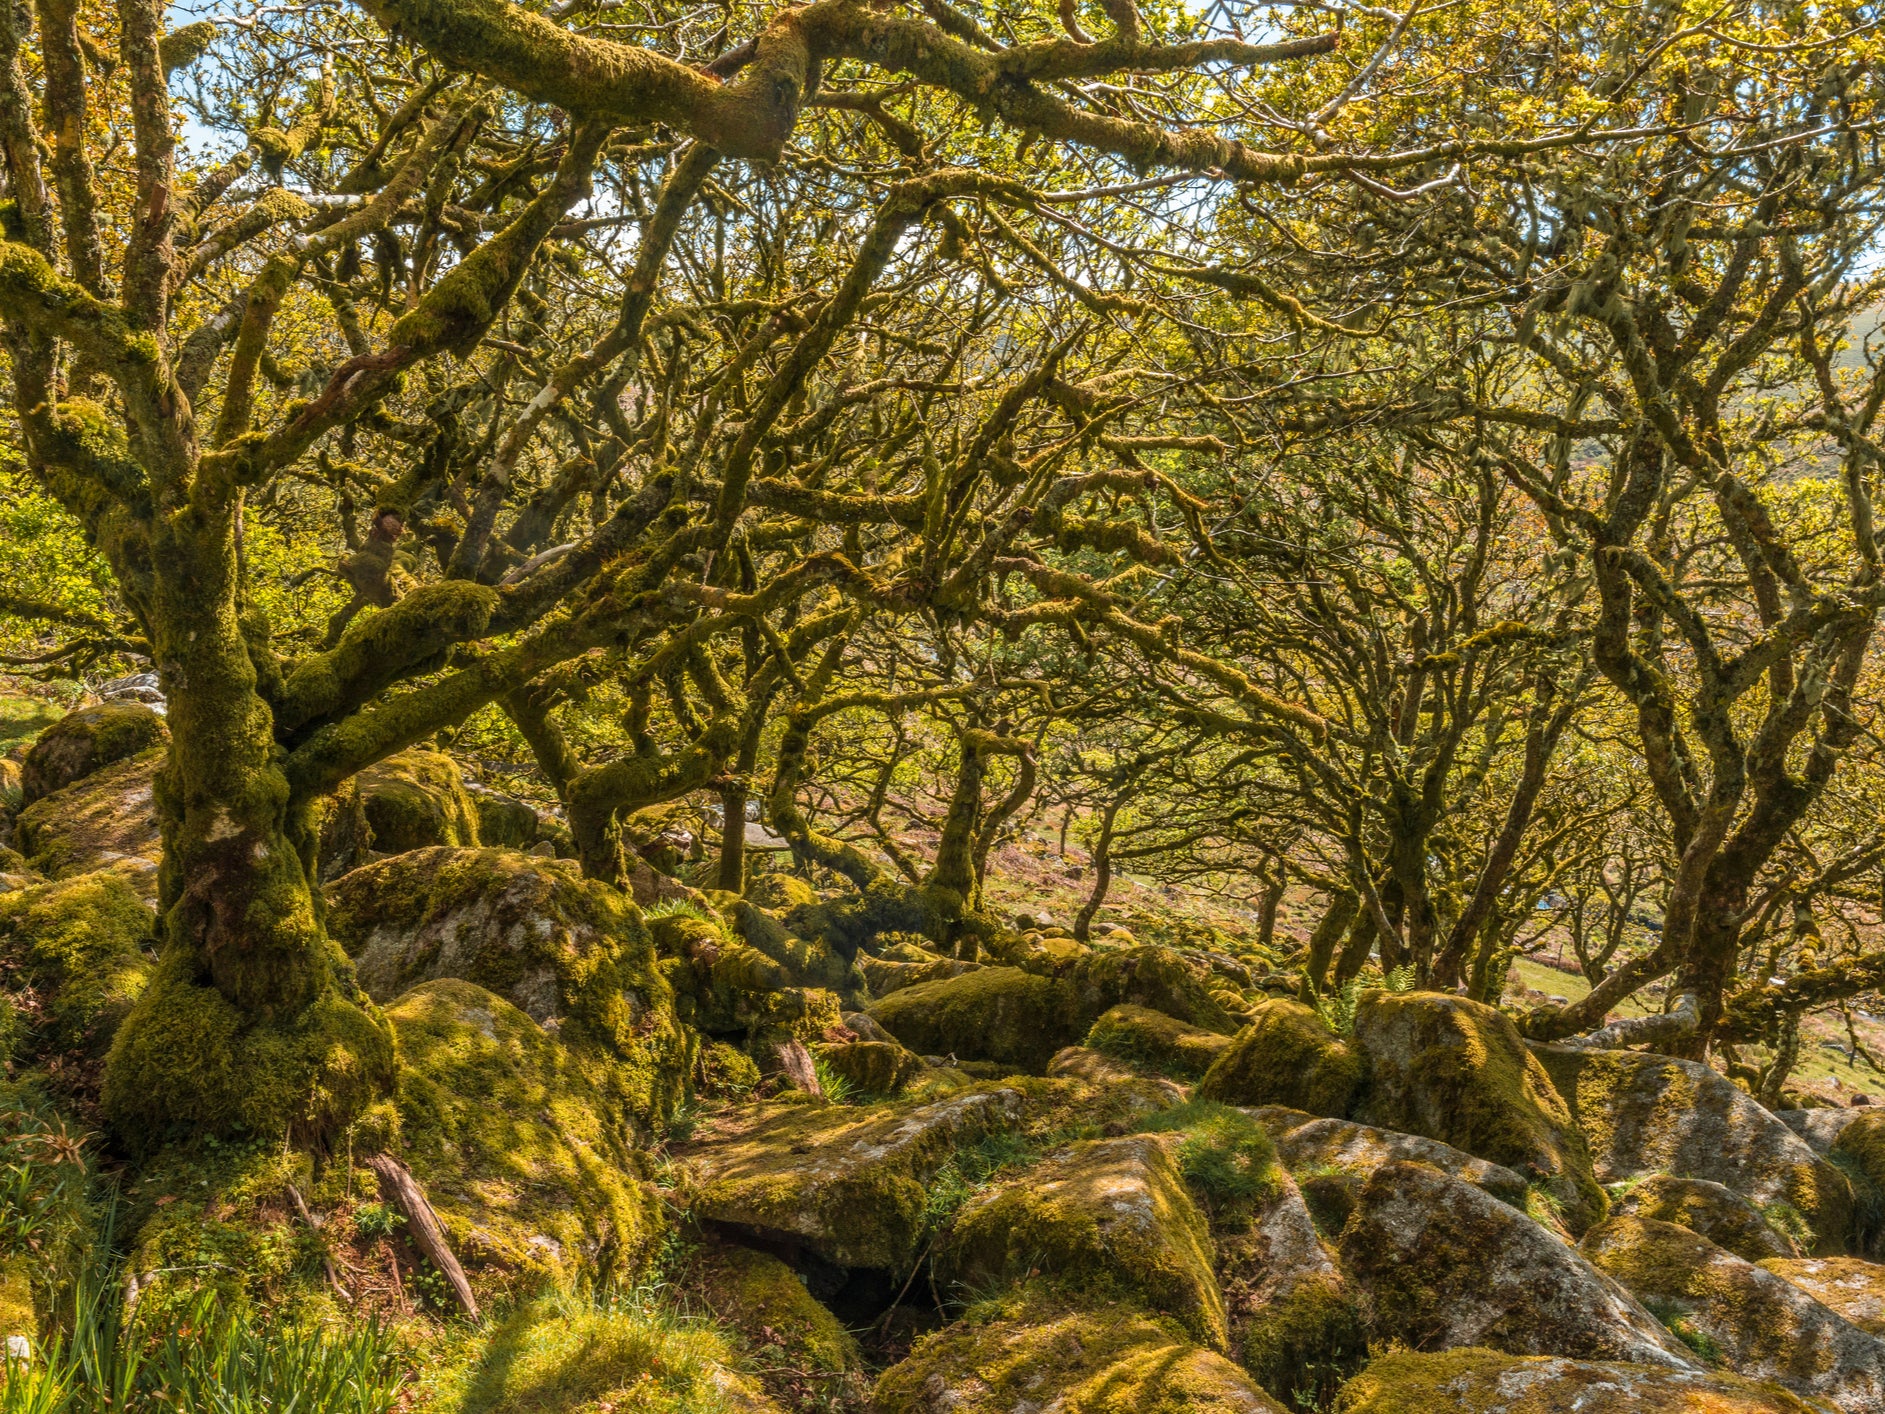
<point x="1226" y="1157"/>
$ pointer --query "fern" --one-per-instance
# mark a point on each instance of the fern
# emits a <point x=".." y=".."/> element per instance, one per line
<point x="1401" y="979"/>
<point x="1338" y="1012"/>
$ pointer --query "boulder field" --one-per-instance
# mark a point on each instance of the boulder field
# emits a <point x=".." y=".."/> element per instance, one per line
<point x="1053" y="1176"/>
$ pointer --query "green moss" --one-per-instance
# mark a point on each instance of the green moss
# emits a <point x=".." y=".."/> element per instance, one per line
<point x="1155" y="1041"/>
<point x="185" y="1056"/>
<point x="1106" y="1215"/>
<point x="416" y="799"/>
<point x="873" y="1069"/>
<point x="570" y="952"/>
<point x="997" y="1013"/>
<point x="22" y="718"/>
<point x="1228" y="1159"/>
<point x="1457" y="1071"/>
<point x="807" y="962"/>
<point x="82" y="742"/>
<point x="779" y="892"/>
<point x="500" y="1123"/>
<point x="1041" y="1346"/>
<point x="1722" y="1216"/>
<point x="17" y="1313"/>
<point x="1305" y="1342"/>
<point x="561" y="1355"/>
<point x="504" y="821"/>
<point x="886" y="975"/>
<point x="1153" y="977"/>
<point x="725" y="1072"/>
<point x="85" y="946"/>
<point x="1285" y="1056"/>
<point x="1473" y="1381"/>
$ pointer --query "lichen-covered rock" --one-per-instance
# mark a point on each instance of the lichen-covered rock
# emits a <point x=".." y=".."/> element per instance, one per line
<point x="1853" y="1288"/>
<point x="1285" y="1056"/>
<point x="1294" y="1325"/>
<point x="1456" y="1070"/>
<point x="1644" y="1113"/>
<point x="874" y="1068"/>
<point x="850" y="1185"/>
<point x="1717" y="1212"/>
<point x="87" y="946"/>
<point x="996" y="1013"/>
<point x="83" y="741"/>
<point x="1490" y="1382"/>
<point x="1759" y="1324"/>
<point x="107" y="817"/>
<point x="767" y="1304"/>
<point x="1336" y="1157"/>
<point x="1105" y="1216"/>
<point x="1149" y="1092"/>
<point x="500" y="1125"/>
<point x="569" y="952"/>
<point x="884" y="977"/>
<point x="1439" y="1263"/>
<point x="1034" y="1350"/>
<point x="1820" y="1128"/>
<point x="1155" y="1041"/>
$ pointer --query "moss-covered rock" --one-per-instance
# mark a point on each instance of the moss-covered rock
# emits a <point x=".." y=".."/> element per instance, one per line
<point x="1470" y="1381"/>
<point x="415" y="800"/>
<point x="1645" y="1113"/>
<point x="87" y="947"/>
<point x="1285" y="1056"/>
<point x="808" y="962"/>
<point x="778" y="892"/>
<point x="1106" y="1216"/>
<point x="1820" y="1128"/>
<point x="107" y="817"/>
<point x="1294" y="1324"/>
<point x="1334" y="1158"/>
<point x="1161" y="979"/>
<point x="1440" y="1263"/>
<point x="83" y="741"/>
<point x="503" y="820"/>
<point x="1154" y="1041"/>
<point x="872" y="1068"/>
<point x="571" y="953"/>
<point x="849" y="1185"/>
<point x="561" y="1355"/>
<point x="1757" y="1323"/>
<point x="500" y="1124"/>
<point x="996" y="1013"/>
<point x="1033" y="1349"/>
<point x="1151" y="1092"/>
<point x="767" y="1305"/>
<point x="884" y="977"/>
<point x="1456" y="1070"/>
<point x="1718" y="1213"/>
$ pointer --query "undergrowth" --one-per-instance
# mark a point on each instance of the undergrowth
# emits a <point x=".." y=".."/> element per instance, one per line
<point x="1226" y="1157"/>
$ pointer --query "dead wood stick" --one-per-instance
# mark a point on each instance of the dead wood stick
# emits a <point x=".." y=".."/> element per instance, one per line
<point x="327" y="1258"/>
<point x="403" y="1191"/>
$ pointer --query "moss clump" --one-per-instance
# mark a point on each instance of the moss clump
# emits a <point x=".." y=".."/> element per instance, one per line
<point x="872" y="1069"/>
<point x="779" y="892"/>
<point x="1042" y="1347"/>
<point x="501" y="1125"/>
<point x="1285" y="1056"/>
<point x="23" y="718"/>
<point x="560" y="1355"/>
<point x="808" y="962"/>
<point x="107" y="817"/>
<point x="886" y="975"/>
<point x="1106" y="1215"/>
<point x="83" y="741"/>
<point x="1474" y="1381"/>
<point x="1724" y="1217"/>
<point x="1226" y="1157"/>
<point x="504" y="821"/>
<point x="725" y="1072"/>
<point x="1155" y="1041"/>
<point x="997" y="1014"/>
<point x="81" y="944"/>
<point x="1306" y="1340"/>
<point x="185" y="1056"/>
<point x="1457" y="1071"/>
<point x="571" y="953"/>
<point x="766" y="1303"/>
